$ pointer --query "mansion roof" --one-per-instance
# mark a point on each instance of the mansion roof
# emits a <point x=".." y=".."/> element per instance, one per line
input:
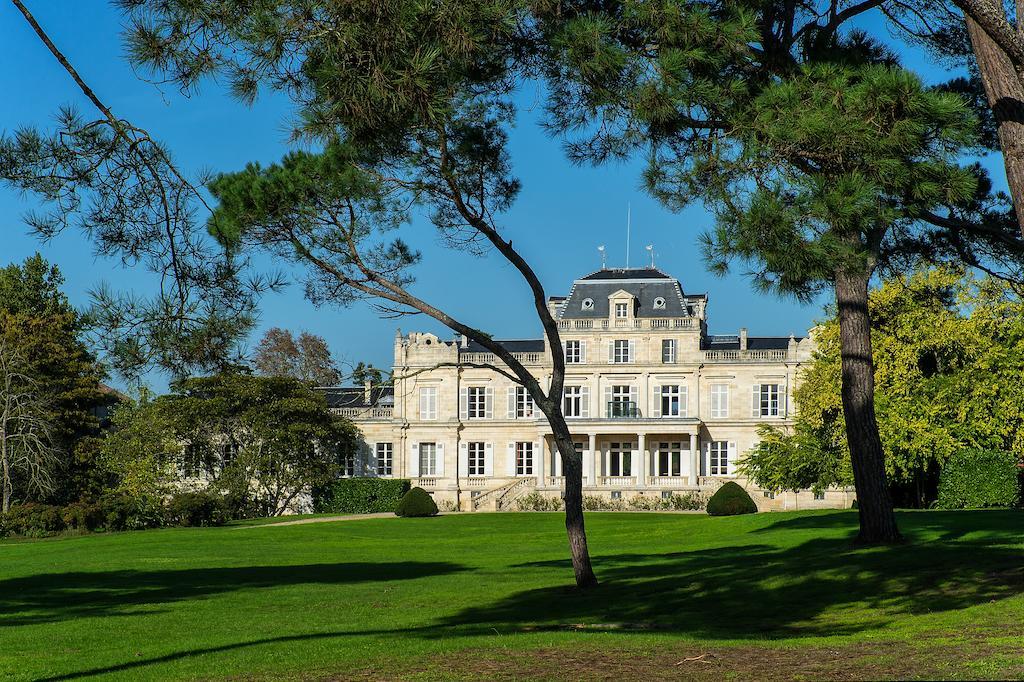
<point x="513" y="346"/>
<point x="356" y="396"/>
<point x="719" y="342"/>
<point x="656" y="294"/>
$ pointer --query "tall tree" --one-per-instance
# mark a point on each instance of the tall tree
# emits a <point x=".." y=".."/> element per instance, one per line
<point x="824" y="161"/>
<point x="412" y="103"/>
<point x="307" y="358"/>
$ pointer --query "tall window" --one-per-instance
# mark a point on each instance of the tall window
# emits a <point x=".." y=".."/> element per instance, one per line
<point x="385" y="458"/>
<point x="476" y="397"/>
<point x="668" y="351"/>
<point x="719" y="464"/>
<point x="428" y="402"/>
<point x="621" y="311"/>
<point x="572" y="398"/>
<point x="719" y="401"/>
<point x="477" y="453"/>
<point x="768" y="400"/>
<point x="347" y="461"/>
<point x="671" y="406"/>
<point x="524" y="403"/>
<point x="524" y="458"/>
<point x="669" y="459"/>
<point x="621" y="405"/>
<point x="620" y="351"/>
<point x="228" y="452"/>
<point x="428" y="459"/>
<point x="620" y="457"/>
<point x="573" y="352"/>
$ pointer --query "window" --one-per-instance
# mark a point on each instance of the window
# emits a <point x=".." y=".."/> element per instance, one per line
<point x="671" y="404"/>
<point x="573" y="352"/>
<point x="768" y="400"/>
<point x="524" y="403"/>
<point x="428" y="459"/>
<point x="228" y="452"/>
<point x="616" y="494"/>
<point x="621" y="311"/>
<point x="524" y="458"/>
<point x="588" y="304"/>
<point x="666" y="494"/>
<point x="719" y="401"/>
<point x="659" y="303"/>
<point x="819" y="496"/>
<point x="385" y="458"/>
<point x="620" y="457"/>
<point x="347" y="461"/>
<point x="476" y="397"/>
<point x="620" y="351"/>
<point x="192" y="461"/>
<point x="668" y="351"/>
<point x="669" y="459"/>
<point x="428" y="402"/>
<point x="572" y="401"/>
<point x="719" y="460"/>
<point x="769" y="494"/>
<point x="621" y="403"/>
<point x="477" y="454"/>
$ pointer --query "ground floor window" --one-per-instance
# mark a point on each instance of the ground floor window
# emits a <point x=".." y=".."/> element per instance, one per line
<point x="524" y="458"/>
<point x="719" y="460"/>
<point x="620" y="456"/>
<point x="385" y="458"/>
<point x="477" y="455"/>
<point x="347" y="462"/>
<point x="428" y="459"/>
<point x="819" y="496"/>
<point x="669" y="459"/>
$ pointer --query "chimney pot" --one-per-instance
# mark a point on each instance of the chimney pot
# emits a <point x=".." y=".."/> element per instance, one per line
<point x="743" y="338"/>
<point x="367" y="385"/>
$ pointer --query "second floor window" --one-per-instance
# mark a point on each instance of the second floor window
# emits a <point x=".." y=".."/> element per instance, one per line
<point x="477" y="402"/>
<point x="766" y="400"/>
<point x="621" y="351"/>
<point x="621" y="311"/>
<point x="672" y="400"/>
<point x="668" y="351"/>
<point x="573" y="352"/>
<point x="428" y="402"/>
<point x="477" y="459"/>
<point x="719" y="401"/>
<point x="574" y="403"/>
<point x="524" y="403"/>
<point x="385" y="458"/>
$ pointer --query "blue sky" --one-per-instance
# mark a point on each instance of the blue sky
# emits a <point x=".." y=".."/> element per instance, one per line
<point x="562" y="215"/>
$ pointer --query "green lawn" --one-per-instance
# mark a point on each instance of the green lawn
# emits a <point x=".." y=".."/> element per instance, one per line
<point x="487" y="595"/>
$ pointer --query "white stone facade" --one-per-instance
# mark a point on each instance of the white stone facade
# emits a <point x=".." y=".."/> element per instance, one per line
<point x="656" y="404"/>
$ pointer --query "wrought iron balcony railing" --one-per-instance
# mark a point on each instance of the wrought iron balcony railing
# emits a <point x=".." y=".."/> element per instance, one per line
<point x="623" y="409"/>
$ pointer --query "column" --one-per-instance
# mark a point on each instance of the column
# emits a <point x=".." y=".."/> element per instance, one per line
<point x="694" y="459"/>
<point x="556" y="469"/>
<point x="538" y="462"/>
<point x="590" y="460"/>
<point x="641" y="470"/>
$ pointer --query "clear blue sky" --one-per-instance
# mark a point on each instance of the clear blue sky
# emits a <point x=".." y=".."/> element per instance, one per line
<point x="562" y="215"/>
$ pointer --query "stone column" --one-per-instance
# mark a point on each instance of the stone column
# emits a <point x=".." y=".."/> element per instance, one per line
<point x="641" y="470"/>
<point x="557" y="465"/>
<point x="694" y="459"/>
<point x="538" y="462"/>
<point x="590" y="463"/>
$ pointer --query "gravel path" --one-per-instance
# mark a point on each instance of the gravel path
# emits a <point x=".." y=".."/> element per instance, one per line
<point x="320" y="519"/>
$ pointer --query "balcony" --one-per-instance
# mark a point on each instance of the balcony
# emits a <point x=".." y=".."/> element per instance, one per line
<point x="529" y="358"/>
<point x="364" y="412"/>
<point x="622" y="409"/>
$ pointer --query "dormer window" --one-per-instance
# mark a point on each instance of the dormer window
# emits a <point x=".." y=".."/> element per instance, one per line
<point x="588" y="304"/>
<point x="659" y="303"/>
<point x="621" y="311"/>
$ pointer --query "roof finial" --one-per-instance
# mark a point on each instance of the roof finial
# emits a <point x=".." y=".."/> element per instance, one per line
<point x="604" y="257"/>
<point x="650" y="250"/>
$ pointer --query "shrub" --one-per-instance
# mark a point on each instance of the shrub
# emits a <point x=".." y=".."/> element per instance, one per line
<point x="33" y="520"/>
<point x="360" y="495"/>
<point x="538" y="502"/>
<point x="416" y="502"/>
<point x="979" y="478"/>
<point x="129" y="512"/>
<point x="83" y="515"/>
<point x="200" y="508"/>
<point x="730" y="500"/>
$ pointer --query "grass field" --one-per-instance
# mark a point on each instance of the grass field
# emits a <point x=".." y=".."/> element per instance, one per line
<point x="771" y="596"/>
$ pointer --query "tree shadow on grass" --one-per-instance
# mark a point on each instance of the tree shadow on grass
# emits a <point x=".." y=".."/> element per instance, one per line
<point x="61" y="596"/>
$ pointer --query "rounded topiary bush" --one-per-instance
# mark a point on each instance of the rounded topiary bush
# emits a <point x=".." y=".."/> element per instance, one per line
<point x="416" y="502"/>
<point x="730" y="500"/>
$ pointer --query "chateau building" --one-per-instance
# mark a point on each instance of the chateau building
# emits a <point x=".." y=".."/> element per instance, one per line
<point x="657" y="405"/>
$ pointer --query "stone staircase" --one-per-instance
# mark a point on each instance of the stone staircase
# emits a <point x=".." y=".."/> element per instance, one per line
<point x="503" y="497"/>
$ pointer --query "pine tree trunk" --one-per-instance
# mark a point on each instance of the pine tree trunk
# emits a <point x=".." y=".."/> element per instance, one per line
<point x="877" y="519"/>
<point x="572" y="470"/>
<point x="1005" y="94"/>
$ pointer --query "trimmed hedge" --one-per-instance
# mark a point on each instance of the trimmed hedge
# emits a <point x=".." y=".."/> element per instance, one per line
<point x="730" y="500"/>
<point x="360" y="496"/>
<point x="199" y="508"/>
<point x="980" y="478"/>
<point x="416" y="502"/>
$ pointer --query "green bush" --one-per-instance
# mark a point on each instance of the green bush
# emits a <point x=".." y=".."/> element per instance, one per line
<point x="538" y="502"/>
<point x="202" y="508"/>
<point x="730" y="500"/>
<point x="128" y="512"/>
<point x="416" y="502"/>
<point x="360" y="496"/>
<point x="33" y="520"/>
<point x="979" y="478"/>
<point x="83" y="515"/>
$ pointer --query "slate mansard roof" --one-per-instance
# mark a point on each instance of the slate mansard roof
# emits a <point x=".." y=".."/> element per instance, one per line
<point x="514" y="346"/>
<point x="380" y="396"/>
<point x="753" y="342"/>
<point x="588" y="298"/>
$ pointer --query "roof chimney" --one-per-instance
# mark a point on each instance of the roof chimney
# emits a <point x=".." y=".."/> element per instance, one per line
<point x="465" y="341"/>
<point x="367" y="385"/>
<point x="743" y="338"/>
